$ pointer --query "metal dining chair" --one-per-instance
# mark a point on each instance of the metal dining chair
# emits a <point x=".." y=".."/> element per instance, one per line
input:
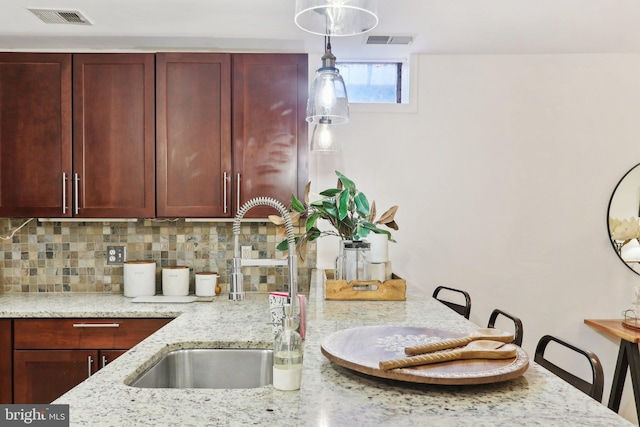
<point x="463" y="309"/>
<point x="517" y="323"/>
<point x="593" y="388"/>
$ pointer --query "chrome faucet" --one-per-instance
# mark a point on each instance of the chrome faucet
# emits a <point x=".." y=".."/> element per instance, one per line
<point x="236" y="292"/>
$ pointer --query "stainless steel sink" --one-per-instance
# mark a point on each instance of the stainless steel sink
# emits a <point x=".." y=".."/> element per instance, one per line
<point x="209" y="368"/>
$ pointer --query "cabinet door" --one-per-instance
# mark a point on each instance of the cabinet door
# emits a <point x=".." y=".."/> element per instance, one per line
<point x="193" y="121"/>
<point x="35" y="134"/>
<point x="269" y="129"/>
<point x="114" y="135"/>
<point x="41" y="376"/>
<point x="5" y="362"/>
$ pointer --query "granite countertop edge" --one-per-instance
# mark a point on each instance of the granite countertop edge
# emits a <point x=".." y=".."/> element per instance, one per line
<point x="329" y="395"/>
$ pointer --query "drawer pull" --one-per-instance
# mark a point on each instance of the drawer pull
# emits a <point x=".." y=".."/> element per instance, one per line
<point x="89" y="363"/>
<point x="96" y="325"/>
<point x="64" y="193"/>
<point x="224" y="192"/>
<point x="104" y="361"/>
<point x="76" y="179"/>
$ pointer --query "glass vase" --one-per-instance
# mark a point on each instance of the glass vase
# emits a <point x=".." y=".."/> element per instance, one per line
<point x="352" y="262"/>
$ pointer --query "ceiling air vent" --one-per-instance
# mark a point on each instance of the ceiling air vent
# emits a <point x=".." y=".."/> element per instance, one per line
<point x="52" y="16"/>
<point x="389" y="40"/>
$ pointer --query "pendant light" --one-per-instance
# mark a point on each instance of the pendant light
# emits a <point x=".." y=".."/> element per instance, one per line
<point x="322" y="138"/>
<point x="336" y="17"/>
<point x="328" y="103"/>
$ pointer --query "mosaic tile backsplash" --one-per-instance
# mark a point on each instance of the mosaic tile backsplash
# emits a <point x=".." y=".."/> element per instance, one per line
<point x="72" y="256"/>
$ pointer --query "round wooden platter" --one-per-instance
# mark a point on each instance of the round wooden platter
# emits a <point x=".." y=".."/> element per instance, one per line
<point x="362" y="349"/>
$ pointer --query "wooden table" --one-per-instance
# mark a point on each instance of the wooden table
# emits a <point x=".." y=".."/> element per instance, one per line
<point x="628" y="358"/>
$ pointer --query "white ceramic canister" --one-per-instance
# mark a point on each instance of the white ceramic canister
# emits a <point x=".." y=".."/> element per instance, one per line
<point x="379" y="251"/>
<point x="175" y="280"/>
<point x="139" y="278"/>
<point x="206" y="282"/>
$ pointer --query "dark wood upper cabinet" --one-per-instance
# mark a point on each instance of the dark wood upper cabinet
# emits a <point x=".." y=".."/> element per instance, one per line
<point x="193" y="134"/>
<point x="269" y="129"/>
<point x="78" y="133"/>
<point x="35" y="134"/>
<point x="114" y="135"/>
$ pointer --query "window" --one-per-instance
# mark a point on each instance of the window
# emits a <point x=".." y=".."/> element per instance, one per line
<point x="375" y="82"/>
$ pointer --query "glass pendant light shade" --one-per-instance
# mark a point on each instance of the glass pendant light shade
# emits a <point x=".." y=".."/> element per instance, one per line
<point x="328" y="103"/>
<point x="328" y="98"/>
<point x="336" y="17"/>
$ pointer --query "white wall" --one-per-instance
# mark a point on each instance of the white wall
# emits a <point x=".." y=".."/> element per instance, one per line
<point x="503" y="177"/>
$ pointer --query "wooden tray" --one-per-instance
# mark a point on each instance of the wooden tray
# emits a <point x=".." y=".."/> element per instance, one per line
<point x="362" y="349"/>
<point x="389" y="290"/>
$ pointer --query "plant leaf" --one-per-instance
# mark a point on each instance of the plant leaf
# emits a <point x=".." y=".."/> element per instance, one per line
<point x="296" y="204"/>
<point x="283" y="246"/>
<point x="348" y="184"/>
<point x="313" y="234"/>
<point x="372" y="212"/>
<point x="343" y="204"/>
<point x="311" y="221"/>
<point x="362" y="204"/>
<point x="330" y="192"/>
<point x="375" y="229"/>
<point x="388" y="216"/>
<point x="362" y="232"/>
<point x="392" y="225"/>
<point x="295" y="217"/>
<point x="302" y="251"/>
<point x="307" y="189"/>
<point x="282" y="231"/>
<point x="301" y="247"/>
<point x="277" y="220"/>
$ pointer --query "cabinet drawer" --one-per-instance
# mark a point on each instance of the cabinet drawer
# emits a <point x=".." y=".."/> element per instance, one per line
<point x="83" y="333"/>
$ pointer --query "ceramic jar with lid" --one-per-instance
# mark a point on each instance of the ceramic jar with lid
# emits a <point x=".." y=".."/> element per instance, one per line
<point x="175" y="280"/>
<point x="139" y="278"/>
<point x="206" y="282"/>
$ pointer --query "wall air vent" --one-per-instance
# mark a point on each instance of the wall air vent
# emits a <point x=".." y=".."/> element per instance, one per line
<point x="53" y="16"/>
<point x="389" y="40"/>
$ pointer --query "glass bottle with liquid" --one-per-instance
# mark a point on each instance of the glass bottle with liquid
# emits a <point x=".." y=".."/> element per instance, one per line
<point x="287" y="355"/>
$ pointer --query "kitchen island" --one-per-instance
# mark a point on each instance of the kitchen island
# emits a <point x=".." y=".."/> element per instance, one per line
<point x="329" y="396"/>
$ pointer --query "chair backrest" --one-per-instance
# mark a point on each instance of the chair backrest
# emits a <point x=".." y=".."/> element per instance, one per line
<point x="463" y="309"/>
<point x="593" y="388"/>
<point x="518" y="330"/>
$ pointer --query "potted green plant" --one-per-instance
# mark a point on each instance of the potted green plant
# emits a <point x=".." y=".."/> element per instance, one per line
<point x="345" y="207"/>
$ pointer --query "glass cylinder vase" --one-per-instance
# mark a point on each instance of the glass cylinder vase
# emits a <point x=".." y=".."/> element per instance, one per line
<point x="353" y="261"/>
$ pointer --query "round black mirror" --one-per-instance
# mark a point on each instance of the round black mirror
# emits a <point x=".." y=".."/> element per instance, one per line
<point x="623" y="219"/>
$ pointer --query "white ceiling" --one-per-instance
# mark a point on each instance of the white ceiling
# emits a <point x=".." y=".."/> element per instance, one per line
<point x="439" y="26"/>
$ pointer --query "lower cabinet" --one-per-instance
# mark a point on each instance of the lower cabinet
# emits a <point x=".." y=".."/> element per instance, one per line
<point x="5" y="361"/>
<point x="41" y="376"/>
<point x="51" y="356"/>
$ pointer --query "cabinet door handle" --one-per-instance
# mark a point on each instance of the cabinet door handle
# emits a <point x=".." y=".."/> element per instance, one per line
<point x="104" y="361"/>
<point x="96" y="325"/>
<point x="76" y="179"/>
<point x="224" y="191"/>
<point x="89" y="363"/>
<point x="64" y="193"/>
<point x="238" y="192"/>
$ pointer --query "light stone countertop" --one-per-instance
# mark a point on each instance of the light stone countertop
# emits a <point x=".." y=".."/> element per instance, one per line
<point x="329" y="396"/>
